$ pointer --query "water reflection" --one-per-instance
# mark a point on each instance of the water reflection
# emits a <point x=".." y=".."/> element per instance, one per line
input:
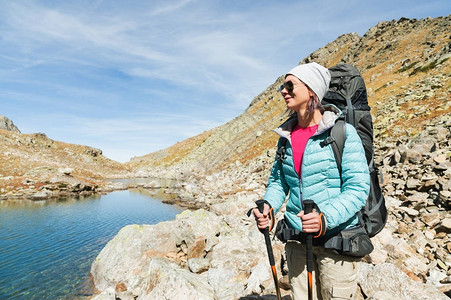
<point x="47" y="247"/>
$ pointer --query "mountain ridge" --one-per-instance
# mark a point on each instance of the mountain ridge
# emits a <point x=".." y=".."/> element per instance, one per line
<point x="37" y="167"/>
<point x="407" y="58"/>
<point x="406" y="67"/>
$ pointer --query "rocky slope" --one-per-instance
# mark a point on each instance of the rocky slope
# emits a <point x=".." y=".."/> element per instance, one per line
<point x="36" y="167"/>
<point x="216" y="252"/>
<point x="406" y="67"/>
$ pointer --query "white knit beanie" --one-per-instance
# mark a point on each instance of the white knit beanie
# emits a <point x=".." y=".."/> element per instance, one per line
<point x="314" y="76"/>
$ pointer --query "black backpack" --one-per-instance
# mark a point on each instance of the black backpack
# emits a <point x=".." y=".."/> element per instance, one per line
<point x="347" y="91"/>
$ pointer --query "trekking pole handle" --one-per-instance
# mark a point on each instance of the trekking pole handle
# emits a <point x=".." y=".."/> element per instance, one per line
<point x="260" y="206"/>
<point x="308" y="208"/>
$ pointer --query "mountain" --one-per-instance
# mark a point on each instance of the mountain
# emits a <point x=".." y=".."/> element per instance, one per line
<point x="406" y="67"/>
<point x="405" y="64"/>
<point x="37" y="167"/>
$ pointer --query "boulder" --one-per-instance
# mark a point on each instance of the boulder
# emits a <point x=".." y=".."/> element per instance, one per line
<point x="385" y="281"/>
<point x="140" y="252"/>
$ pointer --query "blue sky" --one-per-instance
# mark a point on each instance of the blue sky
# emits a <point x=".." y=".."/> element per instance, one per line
<point x="132" y="77"/>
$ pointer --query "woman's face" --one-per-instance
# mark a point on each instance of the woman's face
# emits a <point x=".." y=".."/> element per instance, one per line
<point x="298" y="98"/>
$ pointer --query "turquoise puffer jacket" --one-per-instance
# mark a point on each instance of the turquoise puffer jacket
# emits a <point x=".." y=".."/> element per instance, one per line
<point x="320" y="179"/>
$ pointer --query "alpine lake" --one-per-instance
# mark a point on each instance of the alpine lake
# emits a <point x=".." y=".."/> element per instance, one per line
<point x="47" y="247"/>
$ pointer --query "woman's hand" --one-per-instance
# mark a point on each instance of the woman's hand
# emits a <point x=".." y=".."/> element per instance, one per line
<point x="262" y="218"/>
<point x="311" y="223"/>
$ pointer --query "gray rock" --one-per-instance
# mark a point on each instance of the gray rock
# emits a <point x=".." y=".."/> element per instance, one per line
<point x="260" y="273"/>
<point x="224" y="283"/>
<point x="445" y="225"/>
<point x="108" y="294"/>
<point x="152" y="185"/>
<point x="198" y="265"/>
<point x="123" y="258"/>
<point x="166" y="280"/>
<point x="41" y="195"/>
<point x="66" y="171"/>
<point x="410" y="211"/>
<point x="413" y="156"/>
<point x="413" y="184"/>
<point x="394" y="283"/>
<point x="7" y="124"/>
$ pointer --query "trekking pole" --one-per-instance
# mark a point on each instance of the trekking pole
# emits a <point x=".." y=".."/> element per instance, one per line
<point x="260" y="205"/>
<point x="308" y="207"/>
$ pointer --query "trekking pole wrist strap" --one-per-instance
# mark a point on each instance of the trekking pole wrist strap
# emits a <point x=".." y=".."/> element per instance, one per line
<point x="322" y="230"/>
<point x="261" y="203"/>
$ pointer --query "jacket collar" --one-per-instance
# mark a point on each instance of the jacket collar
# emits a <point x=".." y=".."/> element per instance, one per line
<point x="330" y="115"/>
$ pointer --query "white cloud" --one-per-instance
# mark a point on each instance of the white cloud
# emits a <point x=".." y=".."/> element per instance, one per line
<point x="167" y="8"/>
<point x="139" y="134"/>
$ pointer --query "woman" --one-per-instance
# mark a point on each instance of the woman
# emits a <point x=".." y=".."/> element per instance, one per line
<point x="309" y="171"/>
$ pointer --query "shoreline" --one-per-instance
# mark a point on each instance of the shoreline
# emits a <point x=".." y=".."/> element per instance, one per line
<point x="155" y="187"/>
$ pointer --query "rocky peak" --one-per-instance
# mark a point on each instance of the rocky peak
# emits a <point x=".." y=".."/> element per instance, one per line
<point x="7" y="124"/>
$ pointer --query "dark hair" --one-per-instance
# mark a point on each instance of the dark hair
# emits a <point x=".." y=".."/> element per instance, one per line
<point x="313" y="104"/>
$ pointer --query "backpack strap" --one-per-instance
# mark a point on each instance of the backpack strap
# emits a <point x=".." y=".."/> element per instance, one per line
<point x="338" y="133"/>
<point x="281" y="150"/>
<point x="337" y="139"/>
<point x="350" y="117"/>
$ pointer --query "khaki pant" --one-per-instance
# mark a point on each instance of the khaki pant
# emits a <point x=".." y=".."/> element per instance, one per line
<point x="334" y="276"/>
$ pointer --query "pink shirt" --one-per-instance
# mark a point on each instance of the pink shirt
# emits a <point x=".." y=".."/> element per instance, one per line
<point x="299" y="138"/>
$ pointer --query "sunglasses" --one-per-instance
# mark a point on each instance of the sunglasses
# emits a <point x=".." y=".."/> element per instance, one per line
<point x="289" y="86"/>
